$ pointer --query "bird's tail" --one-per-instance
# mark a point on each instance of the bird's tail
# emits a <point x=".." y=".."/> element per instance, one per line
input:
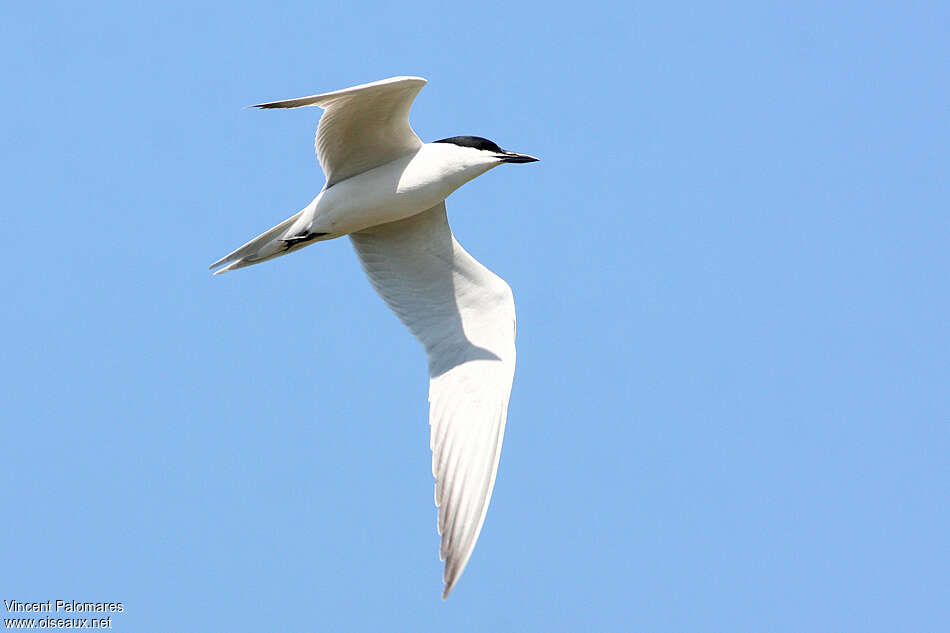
<point x="254" y="251"/>
<point x="268" y="245"/>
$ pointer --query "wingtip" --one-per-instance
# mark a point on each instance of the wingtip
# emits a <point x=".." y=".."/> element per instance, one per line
<point x="449" y="580"/>
<point x="321" y="100"/>
<point x="447" y="590"/>
<point x="285" y="104"/>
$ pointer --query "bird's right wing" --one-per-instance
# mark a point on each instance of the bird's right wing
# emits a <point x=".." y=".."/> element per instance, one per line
<point x="362" y="127"/>
<point x="464" y="316"/>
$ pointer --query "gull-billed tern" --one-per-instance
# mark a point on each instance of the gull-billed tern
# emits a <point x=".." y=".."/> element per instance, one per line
<point x="386" y="189"/>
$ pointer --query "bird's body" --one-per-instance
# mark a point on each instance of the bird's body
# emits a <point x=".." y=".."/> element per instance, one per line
<point x="386" y="190"/>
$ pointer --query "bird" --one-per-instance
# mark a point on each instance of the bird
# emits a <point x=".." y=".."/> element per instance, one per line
<point x="386" y="190"/>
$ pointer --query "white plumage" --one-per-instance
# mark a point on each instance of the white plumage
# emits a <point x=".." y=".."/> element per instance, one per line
<point x="362" y="127"/>
<point x="386" y="190"/>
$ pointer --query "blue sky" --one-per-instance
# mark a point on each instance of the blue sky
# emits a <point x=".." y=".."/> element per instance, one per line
<point x="730" y="411"/>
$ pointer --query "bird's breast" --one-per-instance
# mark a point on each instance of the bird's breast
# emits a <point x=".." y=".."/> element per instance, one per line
<point x="388" y="193"/>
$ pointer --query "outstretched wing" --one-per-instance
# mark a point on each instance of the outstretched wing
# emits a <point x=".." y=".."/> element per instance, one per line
<point x="464" y="316"/>
<point x="362" y="127"/>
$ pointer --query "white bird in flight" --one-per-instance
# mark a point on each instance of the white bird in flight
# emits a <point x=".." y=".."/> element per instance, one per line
<point x="386" y="189"/>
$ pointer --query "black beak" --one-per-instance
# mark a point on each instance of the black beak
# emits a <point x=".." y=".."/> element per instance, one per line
<point x="512" y="157"/>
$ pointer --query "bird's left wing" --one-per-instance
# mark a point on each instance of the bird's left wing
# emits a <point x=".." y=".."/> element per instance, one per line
<point x="362" y="127"/>
<point x="464" y="315"/>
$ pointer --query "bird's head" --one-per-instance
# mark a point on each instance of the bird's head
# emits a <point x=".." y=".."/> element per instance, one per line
<point x="457" y="160"/>
<point x="481" y="150"/>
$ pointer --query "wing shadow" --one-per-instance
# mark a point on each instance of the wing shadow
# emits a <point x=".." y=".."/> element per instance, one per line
<point x="411" y="263"/>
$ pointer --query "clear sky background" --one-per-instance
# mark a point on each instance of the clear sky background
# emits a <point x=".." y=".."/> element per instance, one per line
<point x="732" y="404"/>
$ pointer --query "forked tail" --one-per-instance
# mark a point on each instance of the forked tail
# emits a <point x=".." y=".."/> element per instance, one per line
<point x="268" y="245"/>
